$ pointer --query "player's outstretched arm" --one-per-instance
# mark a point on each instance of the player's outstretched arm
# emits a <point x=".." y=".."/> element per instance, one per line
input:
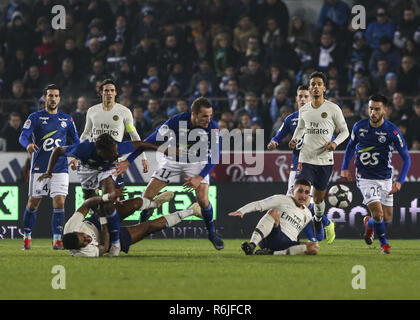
<point x="55" y="155"/>
<point x="261" y="205"/>
<point x="94" y="201"/>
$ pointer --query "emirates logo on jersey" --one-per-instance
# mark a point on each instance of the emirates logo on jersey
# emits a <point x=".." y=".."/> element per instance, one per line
<point x="115" y="118"/>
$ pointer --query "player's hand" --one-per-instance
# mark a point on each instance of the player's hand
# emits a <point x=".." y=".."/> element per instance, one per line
<point x="74" y="164"/>
<point x="330" y="146"/>
<point x="32" y="147"/>
<point x="396" y="186"/>
<point x="121" y="168"/>
<point x="345" y="174"/>
<point x="236" y="214"/>
<point x="192" y="183"/>
<point x="272" y="145"/>
<point x="44" y="176"/>
<point x="292" y="143"/>
<point x="145" y="166"/>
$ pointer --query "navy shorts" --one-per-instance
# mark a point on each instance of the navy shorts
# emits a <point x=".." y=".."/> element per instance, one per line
<point x="277" y="240"/>
<point x="119" y="182"/>
<point x="318" y="175"/>
<point x="125" y="238"/>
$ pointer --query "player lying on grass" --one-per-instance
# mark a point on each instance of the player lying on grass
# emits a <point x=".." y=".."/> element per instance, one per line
<point x="91" y="237"/>
<point x="278" y="230"/>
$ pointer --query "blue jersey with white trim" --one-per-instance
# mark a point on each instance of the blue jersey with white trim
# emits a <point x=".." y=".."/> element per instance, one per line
<point x="47" y="131"/>
<point x="373" y="147"/>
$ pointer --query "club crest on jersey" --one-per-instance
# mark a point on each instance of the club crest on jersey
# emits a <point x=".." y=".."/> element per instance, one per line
<point x="115" y="118"/>
<point x="381" y="139"/>
<point x="63" y="124"/>
<point x="324" y="115"/>
<point x="27" y="124"/>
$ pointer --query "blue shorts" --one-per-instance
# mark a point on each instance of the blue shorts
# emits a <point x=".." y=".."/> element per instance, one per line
<point x="125" y="238"/>
<point x="318" y="175"/>
<point x="277" y="240"/>
<point x="119" y="182"/>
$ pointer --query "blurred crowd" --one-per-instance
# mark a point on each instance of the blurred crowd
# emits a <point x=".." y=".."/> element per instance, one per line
<point x="247" y="56"/>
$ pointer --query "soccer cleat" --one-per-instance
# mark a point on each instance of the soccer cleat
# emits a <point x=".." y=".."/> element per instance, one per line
<point x="330" y="232"/>
<point x="57" y="245"/>
<point x="114" y="251"/>
<point x="26" y="244"/>
<point x="217" y="242"/>
<point x="248" y="247"/>
<point x="163" y="197"/>
<point x="265" y="251"/>
<point x="385" y="248"/>
<point x="369" y="232"/>
<point x="196" y="209"/>
<point x="319" y="231"/>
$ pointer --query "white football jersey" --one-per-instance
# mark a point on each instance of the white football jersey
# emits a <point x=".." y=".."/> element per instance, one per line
<point x="77" y="224"/>
<point x="292" y="218"/>
<point x="319" y="125"/>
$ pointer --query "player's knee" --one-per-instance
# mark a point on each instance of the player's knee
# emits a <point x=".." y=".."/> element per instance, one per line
<point x="59" y="201"/>
<point x="33" y="203"/>
<point x="275" y="214"/>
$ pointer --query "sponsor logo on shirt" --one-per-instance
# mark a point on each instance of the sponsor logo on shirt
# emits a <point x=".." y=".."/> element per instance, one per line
<point x="27" y="124"/>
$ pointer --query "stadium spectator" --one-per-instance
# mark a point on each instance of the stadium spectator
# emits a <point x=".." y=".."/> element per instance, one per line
<point x="300" y="30"/>
<point x="130" y="10"/>
<point x="101" y="10"/>
<point x="244" y="29"/>
<point x="409" y="76"/>
<point x="121" y="32"/>
<point x="77" y="54"/>
<point x="382" y="27"/>
<point x="276" y="9"/>
<point x="74" y="30"/>
<point x="79" y="115"/>
<point x="406" y="29"/>
<point x="401" y="109"/>
<point x="125" y="74"/>
<point x="333" y="88"/>
<point x="414" y="121"/>
<point x="251" y="107"/>
<point x="11" y="132"/>
<point x="146" y="25"/>
<point x="254" y="78"/>
<point x="34" y="82"/>
<point x="282" y="54"/>
<point x="240" y="8"/>
<point x="69" y="80"/>
<point x="244" y="121"/>
<point x="179" y="76"/>
<point x="205" y="72"/>
<point x="223" y="53"/>
<point x="17" y="33"/>
<point x="13" y="7"/>
<point x="377" y="78"/>
<point x="279" y="100"/>
<point x="335" y="10"/>
<point x="170" y="54"/>
<point x="96" y="50"/>
<point x="272" y="32"/>
<point x="391" y="84"/>
<point x="235" y="97"/>
<point x="19" y="101"/>
<point x="4" y="80"/>
<point x="329" y="51"/>
<point x="360" y="51"/>
<point x="283" y="113"/>
<point x="227" y="116"/>
<point x="153" y="112"/>
<point x="412" y="49"/>
<point x="388" y="51"/>
<point x="127" y="90"/>
<point x="253" y="50"/>
<point x="180" y="107"/>
<point x="144" y="54"/>
<point x="205" y="90"/>
<point x="171" y="95"/>
<point x="96" y="31"/>
<point x="155" y="89"/>
<point x="142" y="126"/>
<point x="97" y="73"/>
<point x="200" y="52"/>
<point x="116" y="55"/>
<point x="42" y="26"/>
<point x="18" y="65"/>
<point x="216" y="11"/>
<point x="361" y="102"/>
<point x="351" y="118"/>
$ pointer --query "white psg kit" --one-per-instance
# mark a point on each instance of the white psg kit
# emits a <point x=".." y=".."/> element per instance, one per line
<point x="292" y="218"/>
<point x="319" y="125"/>
<point x="77" y="224"/>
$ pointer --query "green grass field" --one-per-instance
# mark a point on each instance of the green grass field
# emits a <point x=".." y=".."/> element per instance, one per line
<point x="191" y="269"/>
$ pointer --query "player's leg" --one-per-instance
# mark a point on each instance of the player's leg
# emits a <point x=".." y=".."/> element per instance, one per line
<point x="29" y="219"/>
<point x="377" y="223"/>
<point x="57" y="221"/>
<point x="309" y="248"/>
<point x="152" y="189"/>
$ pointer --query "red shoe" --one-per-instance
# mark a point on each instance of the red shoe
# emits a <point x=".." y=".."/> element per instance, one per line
<point x="385" y="249"/>
<point x="57" y="245"/>
<point x="369" y="232"/>
<point x="26" y="244"/>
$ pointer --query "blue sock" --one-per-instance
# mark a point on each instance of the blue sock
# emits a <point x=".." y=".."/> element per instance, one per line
<point x="380" y="231"/>
<point x="371" y="223"/>
<point x="57" y="221"/>
<point x="207" y="214"/>
<point x="29" y="218"/>
<point x="325" y="221"/>
<point x="114" y="227"/>
<point x="386" y="224"/>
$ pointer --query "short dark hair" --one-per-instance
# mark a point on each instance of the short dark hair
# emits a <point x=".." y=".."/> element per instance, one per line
<point x="200" y="102"/>
<point x="377" y="97"/>
<point x="71" y="241"/>
<point x="51" y="86"/>
<point x="108" y="81"/>
<point x="302" y="87"/>
<point x="319" y="74"/>
<point x="104" y="141"/>
<point x="303" y="182"/>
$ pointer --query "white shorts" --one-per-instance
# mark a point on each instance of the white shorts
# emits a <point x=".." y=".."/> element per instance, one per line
<point x="170" y="171"/>
<point x="58" y="185"/>
<point x="292" y="179"/>
<point x="376" y="191"/>
<point x="90" y="178"/>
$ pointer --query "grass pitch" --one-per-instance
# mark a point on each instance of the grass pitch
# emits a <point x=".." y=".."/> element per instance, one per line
<point x="191" y="269"/>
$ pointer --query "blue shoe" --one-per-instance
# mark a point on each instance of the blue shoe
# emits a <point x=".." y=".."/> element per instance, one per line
<point x="145" y="215"/>
<point x="217" y="242"/>
<point x="319" y="231"/>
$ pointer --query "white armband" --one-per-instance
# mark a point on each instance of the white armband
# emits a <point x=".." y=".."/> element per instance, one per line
<point x="105" y="197"/>
<point x="103" y="220"/>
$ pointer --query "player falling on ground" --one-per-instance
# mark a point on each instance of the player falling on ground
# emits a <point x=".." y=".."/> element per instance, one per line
<point x="373" y="140"/>
<point x="318" y="120"/>
<point x="99" y="156"/>
<point x="42" y="132"/>
<point x="205" y="131"/>
<point x="112" y="118"/>
<point x="278" y="230"/>
<point x="91" y="238"/>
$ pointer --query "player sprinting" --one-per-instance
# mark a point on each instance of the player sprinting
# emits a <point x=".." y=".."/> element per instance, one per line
<point x="373" y="139"/>
<point x="91" y="238"/>
<point x="318" y="120"/>
<point x="112" y="118"/>
<point x="42" y="132"/>
<point x="277" y="231"/>
<point x="100" y="157"/>
<point x="200" y="119"/>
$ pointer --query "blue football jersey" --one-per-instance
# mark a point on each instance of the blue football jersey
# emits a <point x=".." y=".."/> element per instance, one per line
<point x="48" y="131"/>
<point x="373" y="147"/>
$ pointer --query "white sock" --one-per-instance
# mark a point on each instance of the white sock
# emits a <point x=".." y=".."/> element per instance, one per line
<point x="147" y="204"/>
<point x="319" y="210"/>
<point x="293" y="250"/>
<point x="263" y="228"/>
<point x="176" y="217"/>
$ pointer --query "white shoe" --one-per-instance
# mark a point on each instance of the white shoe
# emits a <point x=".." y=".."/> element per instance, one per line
<point x="196" y="209"/>
<point x="114" y="251"/>
<point x="163" y="197"/>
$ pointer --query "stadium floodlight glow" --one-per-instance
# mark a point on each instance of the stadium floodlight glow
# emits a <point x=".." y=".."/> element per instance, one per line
<point x="181" y="201"/>
<point x="9" y="203"/>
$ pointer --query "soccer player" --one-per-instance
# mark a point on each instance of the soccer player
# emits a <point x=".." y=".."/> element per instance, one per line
<point x="373" y="139"/>
<point x="91" y="238"/>
<point x="277" y="231"/>
<point x="189" y="128"/>
<point x="112" y="118"/>
<point x="318" y="120"/>
<point x="100" y="157"/>
<point x="42" y="132"/>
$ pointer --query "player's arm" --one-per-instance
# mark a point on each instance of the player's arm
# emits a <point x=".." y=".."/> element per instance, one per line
<point x="281" y="134"/>
<point x="299" y="132"/>
<point x="401" y="147"/>
<point x="307" y="230"/>
<point x="73" y="132"/>
<point x="341" y="124"/>
<point x="55" y="155"/>
<point x="132" y="131"/>
<point x="348" y="155"/>
<point x="93" y="202"/>
<point x="261" y="205"/>
<point x="88" y="127"/>
<point x="105" y="238"/>
<point x="25" y="135"/>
